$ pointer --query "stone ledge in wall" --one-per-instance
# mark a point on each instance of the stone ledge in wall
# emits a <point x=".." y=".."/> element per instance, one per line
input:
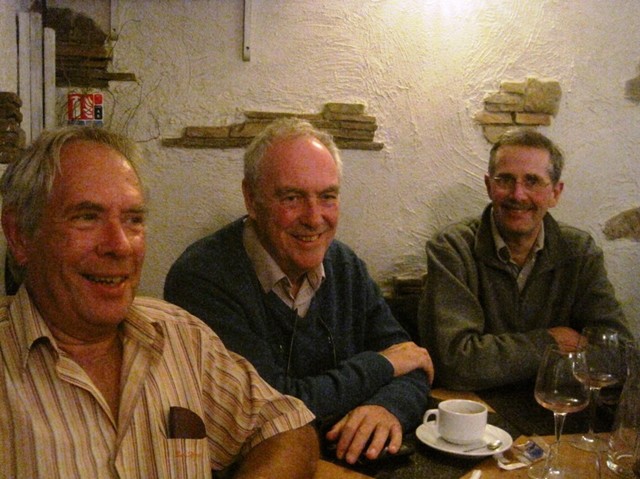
<point x="528" y="103"/>
<point x="351" y="128"/>
<point x="632" y="89"/>
<point x="83" y="51"/>
<point x="624" y="225"/>
<point x="12" y="136"/>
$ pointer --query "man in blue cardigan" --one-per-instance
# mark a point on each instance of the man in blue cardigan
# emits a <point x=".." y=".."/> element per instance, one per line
<point x="300" y="305"/>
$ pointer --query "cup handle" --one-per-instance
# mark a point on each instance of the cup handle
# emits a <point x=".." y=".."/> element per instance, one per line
<point x="428" y="414"/>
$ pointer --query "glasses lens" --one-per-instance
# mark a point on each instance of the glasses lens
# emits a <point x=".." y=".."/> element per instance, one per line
<point x="530" y="183"/>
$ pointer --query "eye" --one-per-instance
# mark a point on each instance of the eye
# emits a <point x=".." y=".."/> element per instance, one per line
<point x="505" y="181"/>
<point x="136" y="220"/>
<point x="290" y="199"/>
<point x="532" y="181"/>
<point x="84" y="217"/>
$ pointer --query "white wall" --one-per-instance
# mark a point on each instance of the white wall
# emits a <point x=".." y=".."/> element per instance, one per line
<point x="423" y="68"/>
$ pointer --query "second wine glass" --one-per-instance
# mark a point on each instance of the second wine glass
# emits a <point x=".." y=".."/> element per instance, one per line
<point x="562" y="387"/>
<point x="604" y="354"/>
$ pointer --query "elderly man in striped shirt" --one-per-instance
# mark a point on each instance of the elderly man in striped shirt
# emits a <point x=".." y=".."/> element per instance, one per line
<point x="95" y="382"/>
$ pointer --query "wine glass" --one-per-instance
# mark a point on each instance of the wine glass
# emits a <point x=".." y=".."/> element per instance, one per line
<point x="604" y="354"/>
<point x="562" y="387"/>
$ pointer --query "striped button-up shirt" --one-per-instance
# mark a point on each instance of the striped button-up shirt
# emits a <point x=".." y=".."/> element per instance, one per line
<point x="55" y="423"/>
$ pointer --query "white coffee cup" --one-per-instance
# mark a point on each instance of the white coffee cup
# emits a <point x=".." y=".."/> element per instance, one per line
<point x="459" y="421"/>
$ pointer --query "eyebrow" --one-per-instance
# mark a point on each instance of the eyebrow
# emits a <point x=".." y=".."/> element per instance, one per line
<point x="286" y="190"/>
<point x="91" y="206"/>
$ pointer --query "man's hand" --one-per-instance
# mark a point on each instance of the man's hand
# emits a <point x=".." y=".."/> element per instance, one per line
<point x="566" y="338"/>
<point x="353" y="431"/>
<point x="405" y="357"/>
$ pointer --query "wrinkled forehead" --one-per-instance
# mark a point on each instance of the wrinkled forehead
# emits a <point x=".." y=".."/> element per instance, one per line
<point x="298" y="159"/>
<point x="90" y="169"/>
<point x="523" y="159"/>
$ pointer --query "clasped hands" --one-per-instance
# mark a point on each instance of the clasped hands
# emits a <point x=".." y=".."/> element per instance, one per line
<point x="374" y="425"/>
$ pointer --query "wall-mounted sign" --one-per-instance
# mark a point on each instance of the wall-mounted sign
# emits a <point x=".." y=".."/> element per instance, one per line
<point x="85" y="109"/>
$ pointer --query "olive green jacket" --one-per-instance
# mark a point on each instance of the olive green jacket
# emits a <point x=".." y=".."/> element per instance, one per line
<point x="480" y="329"/>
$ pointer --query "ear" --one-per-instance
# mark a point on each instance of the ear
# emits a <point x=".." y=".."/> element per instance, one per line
<point x="487" y="184"/>
<point x="16" y="239"/>
<point x="249" y="199"/>
<point x="557" y="191"/>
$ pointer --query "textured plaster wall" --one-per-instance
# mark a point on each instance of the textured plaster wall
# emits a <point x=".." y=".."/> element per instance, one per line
<point x="422" y="67"/>
<point x="8" y="68"/>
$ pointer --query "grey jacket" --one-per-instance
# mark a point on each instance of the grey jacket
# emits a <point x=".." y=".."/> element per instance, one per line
<point x="480" y="329"/>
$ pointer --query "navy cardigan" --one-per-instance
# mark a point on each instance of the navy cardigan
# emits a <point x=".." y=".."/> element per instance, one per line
<point x="328" y="358"/>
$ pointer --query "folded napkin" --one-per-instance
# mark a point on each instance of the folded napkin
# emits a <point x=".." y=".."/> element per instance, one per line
<point x="185" y="424"/>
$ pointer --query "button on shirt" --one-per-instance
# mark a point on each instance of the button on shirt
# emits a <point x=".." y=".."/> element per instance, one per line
<point x="272" y="278"/>
<point x="520" y="273"/>
<point x="55" y="423"/>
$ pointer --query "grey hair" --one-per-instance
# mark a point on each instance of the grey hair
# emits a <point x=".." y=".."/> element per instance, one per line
<point x="533" y="139"/>
<point x="27" y="182"/>
<point x="284" y="128"/>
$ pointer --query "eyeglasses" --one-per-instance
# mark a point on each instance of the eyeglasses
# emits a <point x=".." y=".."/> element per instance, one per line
<point x="532" y="183"/>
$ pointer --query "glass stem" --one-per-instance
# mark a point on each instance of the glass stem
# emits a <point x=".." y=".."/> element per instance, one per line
<point x="558" y="423"/>
<point x="593" y="403"/>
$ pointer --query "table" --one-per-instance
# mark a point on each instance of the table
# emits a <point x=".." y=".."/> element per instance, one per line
<point x="585" y="463"/>
<point x="329" y="470"/>
<point x="506" y="407"/>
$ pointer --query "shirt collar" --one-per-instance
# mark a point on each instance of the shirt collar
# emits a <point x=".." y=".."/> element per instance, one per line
<point x="268" y="271"/>
<point x="32" y="330"/>
<point x="502" y="250"/>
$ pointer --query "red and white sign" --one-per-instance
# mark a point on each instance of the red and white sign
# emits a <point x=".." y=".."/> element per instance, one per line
<point x="85" y="109"/>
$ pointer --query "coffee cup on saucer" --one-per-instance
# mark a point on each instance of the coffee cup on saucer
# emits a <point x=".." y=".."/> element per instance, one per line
<point x="459" y="421"/>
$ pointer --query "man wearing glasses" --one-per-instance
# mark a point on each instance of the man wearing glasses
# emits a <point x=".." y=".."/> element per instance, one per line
<point x="502" y="286"/>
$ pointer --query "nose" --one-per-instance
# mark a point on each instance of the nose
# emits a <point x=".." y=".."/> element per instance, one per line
<point x="114" y="239"/>
<point x="519" y="191"/>
<point x="312" y="214"/>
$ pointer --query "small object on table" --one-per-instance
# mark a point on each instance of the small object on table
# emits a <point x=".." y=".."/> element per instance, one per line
<point x="534" y="449"/>
<point x="511" y="462"/>
<point x="476" y="474"/>
<point x="491" y="446"/>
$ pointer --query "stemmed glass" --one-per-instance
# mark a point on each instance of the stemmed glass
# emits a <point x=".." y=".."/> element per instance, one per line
<point x="604" y="354"/>
<point x="562" y="387"/>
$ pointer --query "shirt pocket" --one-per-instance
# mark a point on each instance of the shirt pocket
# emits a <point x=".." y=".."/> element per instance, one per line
<point x="188" y="458"/>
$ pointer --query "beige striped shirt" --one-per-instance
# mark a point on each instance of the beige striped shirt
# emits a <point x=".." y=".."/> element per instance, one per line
<point x="55" y="423"/>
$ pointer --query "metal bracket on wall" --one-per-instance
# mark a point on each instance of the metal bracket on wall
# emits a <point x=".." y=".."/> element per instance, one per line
<point x="246" y="47"/>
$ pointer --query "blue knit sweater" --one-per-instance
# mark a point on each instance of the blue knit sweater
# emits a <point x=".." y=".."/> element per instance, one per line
<point x="328" y="358"/>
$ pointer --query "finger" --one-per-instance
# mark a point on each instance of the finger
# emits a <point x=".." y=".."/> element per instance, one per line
<point x="431" y="373"/>
<point x="334" y="432"/>
<point x="358" y="443"/>
<point x="395" y="438"/>
<point x="378" y="441"/>
<point x="347" y="433"/>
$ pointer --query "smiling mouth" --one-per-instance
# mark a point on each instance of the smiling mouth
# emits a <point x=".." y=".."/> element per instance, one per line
<point x="516" y="208"/>
<point x="106" y="280"/>
<point x="307" y="238"/>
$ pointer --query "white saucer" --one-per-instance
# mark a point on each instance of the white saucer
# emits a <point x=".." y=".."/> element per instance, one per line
<point x="428" y="434"/>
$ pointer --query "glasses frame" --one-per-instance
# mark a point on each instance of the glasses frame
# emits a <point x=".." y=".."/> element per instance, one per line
<point x="509" y="182"/>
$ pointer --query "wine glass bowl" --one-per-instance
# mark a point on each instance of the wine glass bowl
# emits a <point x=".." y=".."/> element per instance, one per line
<point x="562" y="386"/>
<point x="605" y="365"/>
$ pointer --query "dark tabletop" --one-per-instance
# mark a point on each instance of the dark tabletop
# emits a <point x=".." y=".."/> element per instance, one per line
<point x="516" y="412"/>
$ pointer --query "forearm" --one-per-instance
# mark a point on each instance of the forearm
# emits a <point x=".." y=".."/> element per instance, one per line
<point x="405" y="397"/>
<point x="338" y="390"/>
<point x="472" y="348"/>
<point x="597" y="304"/>
<point x="293" y="454"/>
